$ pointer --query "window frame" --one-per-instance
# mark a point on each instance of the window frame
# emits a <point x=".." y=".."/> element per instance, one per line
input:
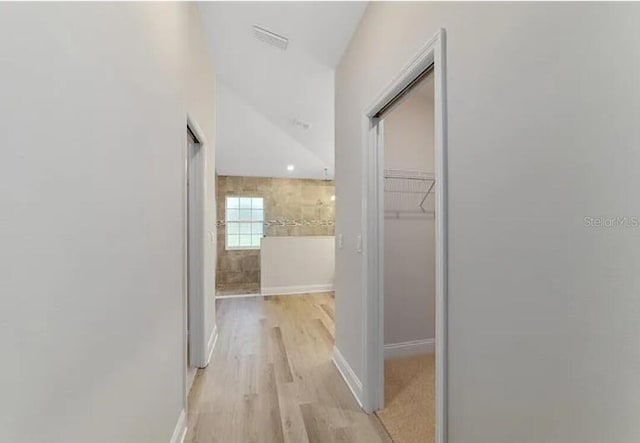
<point x="238" y="222"/>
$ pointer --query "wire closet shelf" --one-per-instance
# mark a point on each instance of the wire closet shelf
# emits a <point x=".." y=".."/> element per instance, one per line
<point x="406" y="191"/>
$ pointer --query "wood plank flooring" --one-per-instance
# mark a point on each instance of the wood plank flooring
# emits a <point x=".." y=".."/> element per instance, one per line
<point x="271" y="378"/>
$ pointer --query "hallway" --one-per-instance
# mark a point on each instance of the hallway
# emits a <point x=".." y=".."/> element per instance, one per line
<point x="271" y="378"/>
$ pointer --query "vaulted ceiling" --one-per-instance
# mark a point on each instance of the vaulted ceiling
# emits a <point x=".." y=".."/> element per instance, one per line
<point x="276" y="107"/>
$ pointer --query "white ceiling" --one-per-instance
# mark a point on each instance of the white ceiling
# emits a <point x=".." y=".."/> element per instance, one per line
<point x="261" y="90"/>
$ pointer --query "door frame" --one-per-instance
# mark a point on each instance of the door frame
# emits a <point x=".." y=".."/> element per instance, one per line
<point x="194" y="320"/>
<point x="432" y="53"/>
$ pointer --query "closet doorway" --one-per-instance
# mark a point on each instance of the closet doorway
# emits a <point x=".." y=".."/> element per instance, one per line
<point x="409" y="253"/>
<point x="194" y="301"/>
<point x="405" y="251"/>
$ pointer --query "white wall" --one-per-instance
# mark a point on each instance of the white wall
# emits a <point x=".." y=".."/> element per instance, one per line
<point x="294" y="265"/>
<point x="543" y="104"/>
<point x="92" y="133"/>
<point x="409" y="239"/>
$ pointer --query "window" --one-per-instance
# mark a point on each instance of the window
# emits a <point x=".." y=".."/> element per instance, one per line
<point x="244" y="220"/>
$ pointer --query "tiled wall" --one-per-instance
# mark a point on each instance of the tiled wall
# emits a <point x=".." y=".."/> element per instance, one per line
<point x="293" y="207"/>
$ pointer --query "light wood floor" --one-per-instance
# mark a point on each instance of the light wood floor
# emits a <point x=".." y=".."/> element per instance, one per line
<point x="271" y="378"/>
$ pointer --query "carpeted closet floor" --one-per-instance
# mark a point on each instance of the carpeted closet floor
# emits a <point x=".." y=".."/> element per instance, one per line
<point x="409" y="390"/>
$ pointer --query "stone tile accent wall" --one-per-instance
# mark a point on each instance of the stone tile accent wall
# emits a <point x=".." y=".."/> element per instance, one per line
<point x="293" y="207"/>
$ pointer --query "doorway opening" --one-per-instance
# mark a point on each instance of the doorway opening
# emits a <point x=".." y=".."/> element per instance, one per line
<point x="409" y="265"/>
<point x="405" y="240"/>
<point x="276" y="236"/>
<point x="195" y="354"/>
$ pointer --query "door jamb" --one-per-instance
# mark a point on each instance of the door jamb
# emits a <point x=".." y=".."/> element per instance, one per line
<point x="196" y="329"/>
<point x="431" y="53"/>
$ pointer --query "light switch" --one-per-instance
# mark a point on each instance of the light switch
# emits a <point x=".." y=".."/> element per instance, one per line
<point x="359" y="244"/>
<point x="340" y="241"/>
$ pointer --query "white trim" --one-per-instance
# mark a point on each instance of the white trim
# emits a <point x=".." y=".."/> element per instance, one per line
<point x="373" y="282"/>
<point x="185" y="271"/>
<point x="241" y="248"/>
<point x="198" y="309"/>
<point x="304" y="289"/>
<point x="211" y="345"/>
<point x="410" y="348"/>
<point x="196" y="129"/>
<point x="350" y="378"/>
<point x="441" y="189"/>
<point x="222" y="297"/>
<point x="194" y="324"/>
<point x="432" y="53"/>
<point x="180" y="431"/>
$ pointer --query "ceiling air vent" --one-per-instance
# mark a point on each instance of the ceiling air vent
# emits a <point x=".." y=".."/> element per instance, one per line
<point x="270" y="38"/>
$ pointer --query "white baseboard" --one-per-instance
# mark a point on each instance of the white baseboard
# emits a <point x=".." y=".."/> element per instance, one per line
<point x="180" y="431"/>
<point x="211" y="345"/>
<point x="222" y="297"/>
<point x="409" y="348"/>
<point x="350" y="377"/>
<point x="304" y="289"/>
